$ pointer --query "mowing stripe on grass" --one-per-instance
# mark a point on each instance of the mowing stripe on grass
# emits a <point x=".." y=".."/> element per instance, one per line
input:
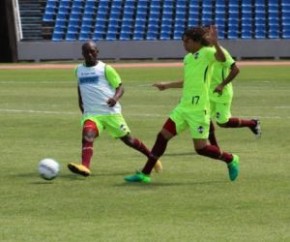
<point x="127" y="114"/>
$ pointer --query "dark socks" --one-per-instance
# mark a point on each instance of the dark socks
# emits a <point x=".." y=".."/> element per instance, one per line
<point x="211" y="137"/>
<point x="239" y="123"/>
<point x="215" y="153"/>
<point x="87" y="153"/>
<point x="157" y="151"/>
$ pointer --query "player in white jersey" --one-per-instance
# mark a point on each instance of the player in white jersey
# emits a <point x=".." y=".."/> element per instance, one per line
<point x="99" y="91"/>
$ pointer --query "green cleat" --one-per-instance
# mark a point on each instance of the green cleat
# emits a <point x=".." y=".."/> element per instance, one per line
<point x="138" y="177"/>
<point x="234" y="168"/>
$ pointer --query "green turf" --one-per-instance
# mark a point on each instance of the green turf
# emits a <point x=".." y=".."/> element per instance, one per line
<point x="192" y="200"/>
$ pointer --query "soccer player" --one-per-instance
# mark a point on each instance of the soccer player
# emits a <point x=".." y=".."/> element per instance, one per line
<point x="193" y="110"/>
<point x="99" y="91"/>
<point x="221" y="95"/>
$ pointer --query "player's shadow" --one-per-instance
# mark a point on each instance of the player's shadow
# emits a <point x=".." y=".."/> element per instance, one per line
<point x="170" y="184"/>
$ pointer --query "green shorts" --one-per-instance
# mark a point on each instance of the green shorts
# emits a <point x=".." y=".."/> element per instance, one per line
<point x="114" y="124"/>
<point x="196" y="121"/>
<point x="220" y="112"/>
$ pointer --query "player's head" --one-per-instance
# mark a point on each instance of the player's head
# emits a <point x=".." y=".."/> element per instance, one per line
<point x="193" y="39"/>
<point x="90" y="53"/>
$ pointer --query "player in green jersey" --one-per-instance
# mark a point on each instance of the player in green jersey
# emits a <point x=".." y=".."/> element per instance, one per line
<point x="99" y="91"/>
<point x="193" y="110"/>
<point x="221" y="95"/>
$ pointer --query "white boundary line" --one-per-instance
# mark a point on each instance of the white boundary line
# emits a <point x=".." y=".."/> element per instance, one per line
<point x="133" y="65"/>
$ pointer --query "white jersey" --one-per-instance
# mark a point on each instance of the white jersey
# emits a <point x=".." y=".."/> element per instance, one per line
<point x="95" y="90"/>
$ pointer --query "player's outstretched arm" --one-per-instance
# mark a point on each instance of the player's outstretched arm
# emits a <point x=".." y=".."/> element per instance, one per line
<point x="166" y="85"/>
<point x="219" y="55"/>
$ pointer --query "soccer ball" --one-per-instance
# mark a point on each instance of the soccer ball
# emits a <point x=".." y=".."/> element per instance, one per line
<point x="48" y="168"/>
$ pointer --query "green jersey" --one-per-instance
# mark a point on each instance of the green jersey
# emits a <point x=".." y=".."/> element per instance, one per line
<point x="220" y="71"/>
<point x="197" y="74"/>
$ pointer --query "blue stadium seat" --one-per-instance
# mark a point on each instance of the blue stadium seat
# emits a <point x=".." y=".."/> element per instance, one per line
<point x="220" y="19"/>
<point x="260" y="15"/>
<point x="62" y="17"/>
<point x="85" y="29"/>
<point x="100" y="28"/>
<point x="260" y="35"/>
<point x="77" y="4"/>
<point x="57" y="36"/>
<point x="286" y="34"/>
<point x="64" y="10"/>
<point x="73" y="29"/>
<point x="111" y="36"/>
<point x="71" y="36"/>
<point x="128" y="14"/>
<point x="75" y="15"/>
<point x="140" y="21"/>
<point x="74" y="22"/>
<point x="84" y="36"/>
<point x="177" y="34"/>
<point x="247" y="3"/>
<point x="166" y="30"/>
<point x="90" y="4"/>
<point x="273" y="33"/>
<point x="152" y="32"/>
<point x="153" y="22"/>
<point x="125" y="36"/>
<point x="220" y="9"/>
<point x="220" y="3"/>
<point x="126" y="32"/>
<point x="233" y="34"/>
<point x="98" y="35"/>
<point x="193" y="22"/>
<point x="221" y="33"/>
<point x="87" y="22"/>
<point x="246" y="33"/>
<point x="61" y="23"/>
<point x="207" y="18"/>
<point x="49" y="17"/>
<point x="138" y="36"/>
<point x="51" y="3"/>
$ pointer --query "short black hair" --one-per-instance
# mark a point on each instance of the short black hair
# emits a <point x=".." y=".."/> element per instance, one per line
<point x="88" y="44"/>
<point x="194" y="33"/>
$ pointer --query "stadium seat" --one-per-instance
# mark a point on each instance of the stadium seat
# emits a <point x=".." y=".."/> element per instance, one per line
<point x="125" y="36"/>
<point x="233" y="33"/>
<point x="165" y="33"/>
<point x="273" y="33"/>
<point x="138" y="36"/>
<point x="57" y="36"/>
<point x="49" y="17"/>
<point x="98" y="35"/>
<point x="244" y="19"/>
<point x="177" y="34"/>
<point x="71" y="36"/>
<point x="286" y="34"/>
<point x="246" y="34"/>
<point x="84" y="36"/>
<point x="111" y="36"/>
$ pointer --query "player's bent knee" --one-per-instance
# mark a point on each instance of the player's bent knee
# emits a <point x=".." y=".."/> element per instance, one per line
<point x="89" y="134"/>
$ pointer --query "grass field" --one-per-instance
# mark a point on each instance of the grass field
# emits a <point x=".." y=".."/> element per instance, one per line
<point x="192" y="200"/>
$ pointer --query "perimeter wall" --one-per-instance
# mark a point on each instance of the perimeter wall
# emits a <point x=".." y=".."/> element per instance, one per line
<point x="117" y="50"/>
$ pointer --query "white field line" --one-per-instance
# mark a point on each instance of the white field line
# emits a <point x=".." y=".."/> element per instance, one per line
<point x="29" y="111"/>
<point x="133" y="65"/>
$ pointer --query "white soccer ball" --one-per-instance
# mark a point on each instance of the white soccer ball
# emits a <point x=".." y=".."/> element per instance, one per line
<point x="48" y="168"/>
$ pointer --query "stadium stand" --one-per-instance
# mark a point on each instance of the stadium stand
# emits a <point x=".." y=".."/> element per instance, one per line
<point x="80" y="20"/>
